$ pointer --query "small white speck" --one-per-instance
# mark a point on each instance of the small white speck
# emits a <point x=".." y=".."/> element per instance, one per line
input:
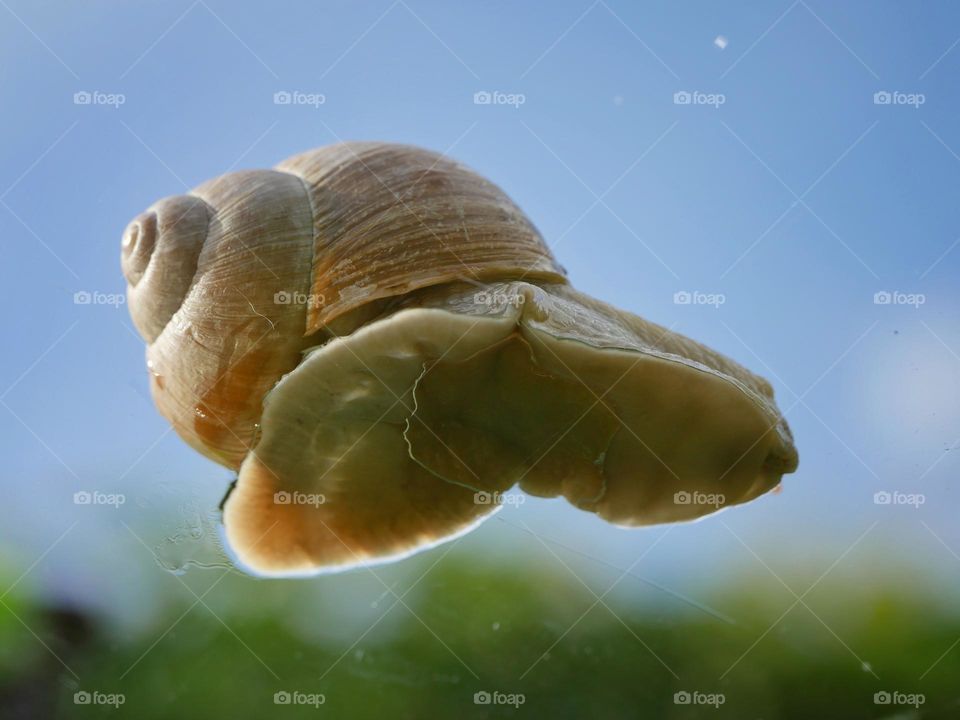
<point x="496" y="626"/>
<point x="720" y="41"/>
<point x="618" y="100"/>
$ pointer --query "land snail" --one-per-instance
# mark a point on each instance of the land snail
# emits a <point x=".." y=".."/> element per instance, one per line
<point x="380" y="343"/>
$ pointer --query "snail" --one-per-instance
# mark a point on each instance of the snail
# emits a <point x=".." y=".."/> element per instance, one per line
<point x="380" y="343"/>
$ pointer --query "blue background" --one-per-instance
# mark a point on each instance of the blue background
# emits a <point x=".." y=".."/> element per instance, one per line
<point x="798" y="199"/>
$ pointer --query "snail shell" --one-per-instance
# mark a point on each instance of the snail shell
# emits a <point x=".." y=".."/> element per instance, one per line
<point x="381" y="343"/>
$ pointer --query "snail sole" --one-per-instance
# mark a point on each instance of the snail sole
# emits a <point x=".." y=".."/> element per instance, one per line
<point x="406" y="433"/>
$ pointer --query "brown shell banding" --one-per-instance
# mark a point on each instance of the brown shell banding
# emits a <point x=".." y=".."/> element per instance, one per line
<point x="390" y="219"/>
<point x="227" y="283"/>
<point x="235" y="335"/>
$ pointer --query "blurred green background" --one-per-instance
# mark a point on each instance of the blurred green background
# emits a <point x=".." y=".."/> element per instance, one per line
<point x="554" y="633"/>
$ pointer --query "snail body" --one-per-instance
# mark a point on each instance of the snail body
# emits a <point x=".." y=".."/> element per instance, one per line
<point x="380" y="343"/>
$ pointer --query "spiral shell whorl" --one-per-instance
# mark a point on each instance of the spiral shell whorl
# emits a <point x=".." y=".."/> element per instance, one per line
<point x="233" y="337"/>
<point x="160" y="250"/>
